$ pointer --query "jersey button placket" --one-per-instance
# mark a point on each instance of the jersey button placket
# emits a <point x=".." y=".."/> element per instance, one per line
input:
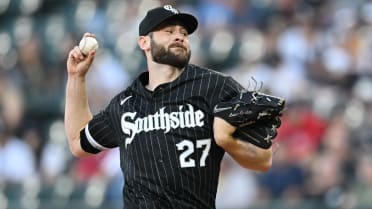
<point x="157" y="91"/>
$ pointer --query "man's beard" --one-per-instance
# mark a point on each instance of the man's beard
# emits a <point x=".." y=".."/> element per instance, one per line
<point x="164" y="56"/>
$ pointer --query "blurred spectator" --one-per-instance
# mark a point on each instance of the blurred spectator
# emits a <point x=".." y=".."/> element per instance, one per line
<point x="16" y="157"/>
<point x="54" y="156"/>
<point x="207" y="10"/>
<point x="106" y="79"/>
<point x="11" y="103"/>
<point x="111" y="170"/>
<point x="336" y="142"/>
<point x="362" y="187"/>
<point x="326" y="181"/>
<point x="284" y="181"/>
<point x="301" y="132"/>
<point x="233" y="179"/>
<point x="42" y="84"/>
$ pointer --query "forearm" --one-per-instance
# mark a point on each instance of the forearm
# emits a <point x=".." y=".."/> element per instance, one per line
<point x="77" y="112"/>
<point x="247" y="155"/>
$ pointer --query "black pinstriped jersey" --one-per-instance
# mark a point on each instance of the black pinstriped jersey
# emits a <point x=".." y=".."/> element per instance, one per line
<point x="168" y="154"/>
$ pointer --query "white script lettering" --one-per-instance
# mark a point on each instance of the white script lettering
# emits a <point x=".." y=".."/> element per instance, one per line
<point x="161" y="120"/>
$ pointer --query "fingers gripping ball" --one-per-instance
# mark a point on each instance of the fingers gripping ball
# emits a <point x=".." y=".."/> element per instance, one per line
<point x="88" y="44"/>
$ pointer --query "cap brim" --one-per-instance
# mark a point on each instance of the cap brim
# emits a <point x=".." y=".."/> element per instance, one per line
<point x="187" y="20"/>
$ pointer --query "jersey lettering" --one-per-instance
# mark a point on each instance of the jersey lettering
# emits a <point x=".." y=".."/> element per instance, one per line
<point x="161" y="120"/>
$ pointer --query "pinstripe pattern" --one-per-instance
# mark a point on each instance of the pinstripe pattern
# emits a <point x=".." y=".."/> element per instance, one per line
<point x="171" y="164"/>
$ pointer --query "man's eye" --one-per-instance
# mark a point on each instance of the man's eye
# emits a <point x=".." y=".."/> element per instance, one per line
<point x="169" y="31"/>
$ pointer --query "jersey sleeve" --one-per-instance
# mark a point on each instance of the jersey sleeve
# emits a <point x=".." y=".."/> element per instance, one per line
<point x="229" y="89"/>
<point x="99" y="134"/>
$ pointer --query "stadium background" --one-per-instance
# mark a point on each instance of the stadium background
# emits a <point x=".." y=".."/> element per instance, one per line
<point x="315" y="53"/>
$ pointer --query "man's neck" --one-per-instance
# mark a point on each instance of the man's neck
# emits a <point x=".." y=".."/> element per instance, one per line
<point x="160" y="74"/>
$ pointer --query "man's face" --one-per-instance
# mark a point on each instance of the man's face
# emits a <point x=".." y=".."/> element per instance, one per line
<point x="170" y="45"/>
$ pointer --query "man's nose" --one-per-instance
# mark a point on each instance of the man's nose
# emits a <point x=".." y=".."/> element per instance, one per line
<point x="178" y="36"/>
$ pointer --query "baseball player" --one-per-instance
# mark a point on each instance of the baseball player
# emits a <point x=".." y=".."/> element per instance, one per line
<point x="174" y="123"/>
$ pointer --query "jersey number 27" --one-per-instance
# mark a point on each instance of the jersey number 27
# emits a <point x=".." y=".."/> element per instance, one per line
<point x="188" y="147"/>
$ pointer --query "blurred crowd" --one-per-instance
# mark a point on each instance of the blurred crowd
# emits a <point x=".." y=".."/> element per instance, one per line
<point x="315" y="53"/>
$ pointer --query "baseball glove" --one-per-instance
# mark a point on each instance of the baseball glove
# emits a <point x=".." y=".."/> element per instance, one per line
<point x="249" y="107"/>
<point x="259" y="134"/>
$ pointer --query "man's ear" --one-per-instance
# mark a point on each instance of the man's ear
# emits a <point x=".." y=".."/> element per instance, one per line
<point x="144" y="42"/>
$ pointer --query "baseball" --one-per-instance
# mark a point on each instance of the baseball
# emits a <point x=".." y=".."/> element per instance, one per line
<point x="87" y="44"/>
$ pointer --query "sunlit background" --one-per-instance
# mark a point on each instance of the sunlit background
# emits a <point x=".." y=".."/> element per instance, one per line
<point x="315" y="53"/>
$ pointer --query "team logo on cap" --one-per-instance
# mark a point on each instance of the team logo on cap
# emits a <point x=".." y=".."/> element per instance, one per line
<point x="170" y="8"/>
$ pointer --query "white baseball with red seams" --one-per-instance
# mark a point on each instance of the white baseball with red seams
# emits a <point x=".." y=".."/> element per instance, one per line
<point x="87" y="44"/>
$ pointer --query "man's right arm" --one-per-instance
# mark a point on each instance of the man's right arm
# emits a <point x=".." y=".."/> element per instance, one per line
<point x="77" y="111"/>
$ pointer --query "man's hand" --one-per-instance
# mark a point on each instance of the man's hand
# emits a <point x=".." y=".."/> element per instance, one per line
<point x="77" y="63"/>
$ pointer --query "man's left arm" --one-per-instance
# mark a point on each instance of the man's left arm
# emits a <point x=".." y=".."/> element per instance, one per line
<point x="245" y="123"/>
<point x="246" y="154"/>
